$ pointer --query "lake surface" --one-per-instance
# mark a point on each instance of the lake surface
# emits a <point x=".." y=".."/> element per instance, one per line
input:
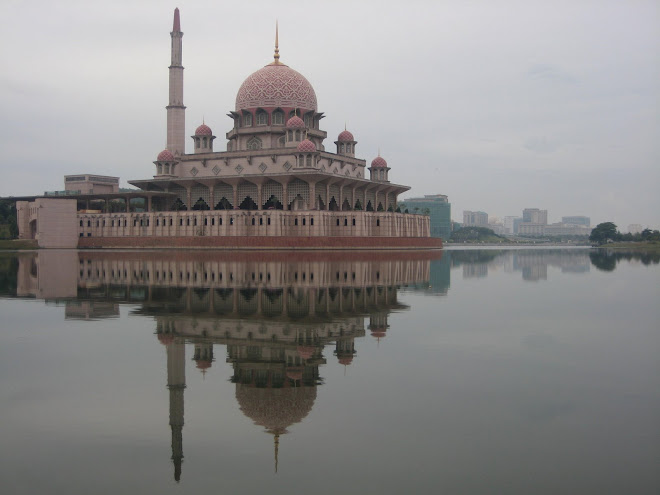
<point x="530" y="371"/>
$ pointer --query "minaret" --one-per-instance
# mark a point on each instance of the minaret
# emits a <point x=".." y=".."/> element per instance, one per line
<point x="176" y="112"/>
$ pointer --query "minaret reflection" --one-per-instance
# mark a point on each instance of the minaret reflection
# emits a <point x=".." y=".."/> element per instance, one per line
<point x="176" y="383"/>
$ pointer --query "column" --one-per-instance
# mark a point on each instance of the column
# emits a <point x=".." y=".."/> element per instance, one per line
<point x="259" y="198"/>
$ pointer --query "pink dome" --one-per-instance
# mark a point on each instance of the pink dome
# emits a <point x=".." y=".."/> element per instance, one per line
<point x="306" y="146"/>
<point x="345" y="137"/>
<point x="165" y="156"/>
<point x="276" y="85"/>
<point x="203" y="130"/>
<point x="346" y="360"/>
<point x="295" y="122"/>
<point x="379" y="162"/>
<point x="306" y="351"/>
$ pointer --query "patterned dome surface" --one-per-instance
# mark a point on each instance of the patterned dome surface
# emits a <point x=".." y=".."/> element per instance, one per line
<point x="203" y="130"/>
<point x="165" y="156"/>
<point x="295" y="122"/>
<point x="306" y="146"/>
<point x="379" y="162"/>
<point x="345" y="137"/>
<point x="276" y="86"/>
<point x="275" y="408"/>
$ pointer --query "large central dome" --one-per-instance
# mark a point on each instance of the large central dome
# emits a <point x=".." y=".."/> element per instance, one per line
<point x="276" y="85"/>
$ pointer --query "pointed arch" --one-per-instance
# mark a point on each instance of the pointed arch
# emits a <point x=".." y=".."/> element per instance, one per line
<point x="345" y="206"/>
<point x="200" y="205"/>
<point x="248" y="204"/>
<point x="369" y="206"/>
<point x="224" y="204"/>
<point x="254" y="143"/>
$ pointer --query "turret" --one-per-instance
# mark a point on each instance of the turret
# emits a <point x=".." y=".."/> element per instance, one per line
<point x="203" y="139"/>
<point x="346" y="143"/>
<point x="379" y="170"/>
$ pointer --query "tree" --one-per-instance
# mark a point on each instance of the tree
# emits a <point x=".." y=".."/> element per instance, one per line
<point x="604" y="232"/>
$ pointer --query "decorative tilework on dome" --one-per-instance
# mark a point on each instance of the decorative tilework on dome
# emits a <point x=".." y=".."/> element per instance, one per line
<point x="306" y="146"/>
<point x="203" y="130"/>
<point x="345" y="137"/>
<point x="295" y="122"/>
<point x="276" y="86"/>
<point x="275" y="408"/>
<point x="379" y="162"/>
<point x="165" y="156"/>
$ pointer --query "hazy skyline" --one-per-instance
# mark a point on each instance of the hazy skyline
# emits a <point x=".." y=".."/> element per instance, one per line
<point x="499" y="105"/>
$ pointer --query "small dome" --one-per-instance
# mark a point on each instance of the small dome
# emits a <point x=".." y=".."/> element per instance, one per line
<point x="345" y="360"/>
<point x="165" y="338"/>
<point x="295" y="122"/>
<point x="305" y="351"/>
<point x="307" y="146"/>
<point x="379" y="161"/>
<point x="294" y="375"/>
<point x="203" y="130"/>
<point x="345" y="137"/>
<point x="203" y="364"/>
<point x="165" y="156"/>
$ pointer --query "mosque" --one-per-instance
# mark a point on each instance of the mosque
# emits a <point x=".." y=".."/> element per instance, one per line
<point x="273" y="186"/>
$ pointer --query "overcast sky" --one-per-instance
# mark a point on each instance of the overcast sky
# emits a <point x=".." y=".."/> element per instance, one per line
<point x="501" y="104"/>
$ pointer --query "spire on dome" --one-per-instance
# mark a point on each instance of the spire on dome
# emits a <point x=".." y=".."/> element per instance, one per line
<point x="276" y="55"/>
<point x="177" y="23"/>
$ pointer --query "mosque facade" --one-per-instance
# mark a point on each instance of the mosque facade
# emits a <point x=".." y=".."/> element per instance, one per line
<point x="274" y="185"/>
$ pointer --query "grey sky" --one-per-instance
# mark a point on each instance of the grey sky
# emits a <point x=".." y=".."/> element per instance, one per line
<point x="501" y="105"/>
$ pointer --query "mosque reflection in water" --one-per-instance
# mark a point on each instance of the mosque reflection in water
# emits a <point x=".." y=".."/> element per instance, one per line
<point x="275" y="314"/>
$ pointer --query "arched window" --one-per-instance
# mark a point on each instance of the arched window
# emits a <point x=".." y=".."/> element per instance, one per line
<point x="309" y="160"/>
<point x="341" y="148"/>
<point x="278" y="117"/>
<point x="348" y="148"/>
<point x="254" y="143"/>
<point x="262" y="118"/>
<point x="197" y="142"/>
<point x="297" y="135"/>
<point x="247" y="120"/>
<point x="290" y="135"/>
<point x="205" y="142"/>
<point x="160" y="169"/>
<point x="308" y="120"/>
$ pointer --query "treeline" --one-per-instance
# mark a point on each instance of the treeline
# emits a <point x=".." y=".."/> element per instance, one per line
<point x="608" y="232"/>
<point x="475" y="234"/>
<point x="8" y="223"/>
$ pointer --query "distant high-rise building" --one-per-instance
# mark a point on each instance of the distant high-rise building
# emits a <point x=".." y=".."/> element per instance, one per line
<point x="475" y="219"/>
<point x="511" y="224"/>
<point x="576" y="220"/>
<point x="534" y="215"/>
<point x="439" y="209"/>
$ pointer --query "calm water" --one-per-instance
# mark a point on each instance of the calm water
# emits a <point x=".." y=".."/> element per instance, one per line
<point x="477" y="371"/>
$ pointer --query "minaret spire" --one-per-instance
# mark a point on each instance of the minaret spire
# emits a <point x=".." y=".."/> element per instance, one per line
<point x="177" y="22"/>
<point x="176" y="111"/>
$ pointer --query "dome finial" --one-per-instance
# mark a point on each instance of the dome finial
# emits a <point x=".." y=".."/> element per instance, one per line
<point x="276" y="56"/>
